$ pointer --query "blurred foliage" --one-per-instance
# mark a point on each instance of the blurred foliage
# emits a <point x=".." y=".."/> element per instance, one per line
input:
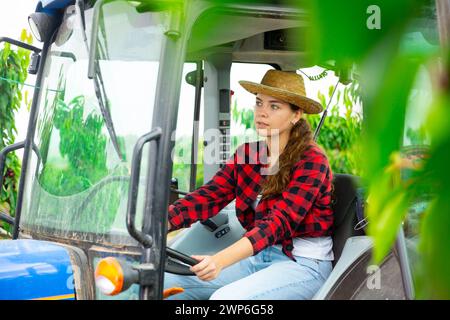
<point x="433" y="278"/>
<point x="339" y="30"/>
<point x="13" y="73"/>
<point x="387" y="67"/>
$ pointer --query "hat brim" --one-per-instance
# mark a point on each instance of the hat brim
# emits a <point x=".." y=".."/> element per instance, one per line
<point x="306" y="104"/>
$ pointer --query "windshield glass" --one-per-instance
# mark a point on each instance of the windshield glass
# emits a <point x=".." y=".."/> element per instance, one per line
<point x="77" y="184"/>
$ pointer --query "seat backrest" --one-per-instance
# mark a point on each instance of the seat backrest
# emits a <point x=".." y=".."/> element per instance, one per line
<point x="344" y="207"/>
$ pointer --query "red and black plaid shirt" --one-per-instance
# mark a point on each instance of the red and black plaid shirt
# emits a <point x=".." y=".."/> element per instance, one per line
<point x="302" y="210"/>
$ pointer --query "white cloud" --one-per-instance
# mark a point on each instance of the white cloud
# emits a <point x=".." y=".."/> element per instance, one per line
<point x="14" y="16"/>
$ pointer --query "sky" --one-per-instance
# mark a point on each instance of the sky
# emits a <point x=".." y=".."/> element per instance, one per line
<point x="14" y="18"/>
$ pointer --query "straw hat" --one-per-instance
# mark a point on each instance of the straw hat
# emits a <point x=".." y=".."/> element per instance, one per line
<point x="286" y="86"/>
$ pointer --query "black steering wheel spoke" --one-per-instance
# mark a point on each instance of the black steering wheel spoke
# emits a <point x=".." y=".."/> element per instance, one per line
<point x="179" y="263"/>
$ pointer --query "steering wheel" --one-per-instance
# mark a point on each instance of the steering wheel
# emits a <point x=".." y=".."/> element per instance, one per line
<point x="178" y="263"/>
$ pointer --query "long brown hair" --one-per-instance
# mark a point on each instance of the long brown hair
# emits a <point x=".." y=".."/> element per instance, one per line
<point x="300" y="139"/>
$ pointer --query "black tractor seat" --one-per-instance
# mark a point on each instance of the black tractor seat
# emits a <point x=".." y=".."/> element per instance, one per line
<point x="344" y="206"/>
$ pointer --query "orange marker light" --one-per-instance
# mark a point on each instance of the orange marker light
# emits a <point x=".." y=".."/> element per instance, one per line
<point x="109" y="276"/>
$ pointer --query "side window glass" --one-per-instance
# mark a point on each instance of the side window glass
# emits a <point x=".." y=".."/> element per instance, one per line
<point x="242" y="102"/>
<point x="182" y="153"/>
<point x="342" y="126"/>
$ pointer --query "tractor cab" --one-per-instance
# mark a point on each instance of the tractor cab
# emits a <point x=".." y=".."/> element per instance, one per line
<point x="117" y="83"/>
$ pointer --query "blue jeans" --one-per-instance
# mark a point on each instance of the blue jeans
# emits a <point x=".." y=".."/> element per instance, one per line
<point x="268" y="275"/>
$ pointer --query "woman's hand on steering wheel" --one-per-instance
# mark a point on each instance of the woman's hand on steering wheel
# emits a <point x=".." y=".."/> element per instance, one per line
<point x="208" y="268"/>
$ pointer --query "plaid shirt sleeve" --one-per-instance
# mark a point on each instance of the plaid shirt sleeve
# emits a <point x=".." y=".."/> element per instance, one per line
<point x="206" y="201"/>
<point x="298" y="198"/>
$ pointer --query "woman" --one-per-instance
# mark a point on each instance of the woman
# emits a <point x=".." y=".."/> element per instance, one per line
<point x="286" y="252"/>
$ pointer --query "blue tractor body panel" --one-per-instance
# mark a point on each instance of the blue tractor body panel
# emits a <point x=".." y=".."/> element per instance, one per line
<point x="31" y="269"/>
<point x="44" y="5"/>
